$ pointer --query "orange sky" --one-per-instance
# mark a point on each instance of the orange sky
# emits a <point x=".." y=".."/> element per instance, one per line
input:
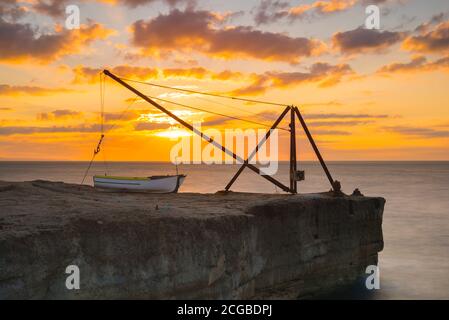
<point x="366" y="94"/>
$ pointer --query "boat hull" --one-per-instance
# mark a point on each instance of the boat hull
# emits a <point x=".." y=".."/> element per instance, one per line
<point x="155" y="184"/>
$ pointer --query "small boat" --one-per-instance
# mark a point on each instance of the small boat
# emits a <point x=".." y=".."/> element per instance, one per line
<point x="154" y="184"/>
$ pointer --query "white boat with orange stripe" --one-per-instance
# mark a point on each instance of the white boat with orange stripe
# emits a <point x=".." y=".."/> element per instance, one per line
<point x="153" y="184"/>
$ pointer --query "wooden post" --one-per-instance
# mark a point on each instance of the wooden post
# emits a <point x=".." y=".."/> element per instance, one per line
<point x="335" y="186"/>
<point x="293" y="182"/>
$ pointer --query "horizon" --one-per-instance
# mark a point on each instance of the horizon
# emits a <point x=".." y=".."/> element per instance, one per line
<point x="235" y="164"/>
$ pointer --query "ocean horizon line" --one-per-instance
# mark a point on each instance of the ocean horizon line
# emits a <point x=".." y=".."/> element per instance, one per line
<point x="282" y="161"/>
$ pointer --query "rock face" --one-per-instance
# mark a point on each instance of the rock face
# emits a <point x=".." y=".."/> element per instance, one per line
<point x="184" y="246"/>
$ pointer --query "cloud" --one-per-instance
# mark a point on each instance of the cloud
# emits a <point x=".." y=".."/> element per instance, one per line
<point x="330" y="119"/>
<point x="92" y="75"/>
<point x="150" y="126"/>
<point x="198" y="73"/>
<point x="413" y="65"/>
<point x="417" y="64"/>
<point x="434" y="41"/>
<point x="270" y="11"/>
<point x="342" y="120"/>
<point x="189" y="30"/>
<point x="267" y="117"/>
<point x="346" y="123"/>
<point x="53" y="8"/>
<point x="215" y="121"/>
<point x="59" y="114"/>
<point x="227" y="75"/>
<point x="419" y="132"/>
<point x="11" y="130"/>
<point x="363" y="40"/>
<point x="29" y="90"/>
<point x="324" y="132"/>
<point x="321" y="7"/>
<point x="5" y="109"/>
<point x="127" y="115"/>
<point x="136" y="3"/>
<point x="21" y="42"/>
<point x="443" y="125"/>
<point x="201" y="73"/>
<point x="56" y="8"/>
<point x="322" y="104"/>
<point x="315" y="116"/>
<point x="436" y="19"/>
<point x="322" y="73"/>
<point x="11" y="11"/>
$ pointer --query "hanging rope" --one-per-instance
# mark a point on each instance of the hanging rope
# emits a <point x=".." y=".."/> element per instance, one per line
<point x="206" y="93"/>
<point x="234" y="107"/>
<point x="96" y="151"/>
<point x="102" y="91"/>
<point x="98" y="148"/>
<point x="88" y="168"/>
<point x="123" y="113"/>
<point x="102" y="101"/>
<point x="243" y="110"/>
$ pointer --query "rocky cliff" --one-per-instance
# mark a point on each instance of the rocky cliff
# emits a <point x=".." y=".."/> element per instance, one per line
<point x="183" y="246"/>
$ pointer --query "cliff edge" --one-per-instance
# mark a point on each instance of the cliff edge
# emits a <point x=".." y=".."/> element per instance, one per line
<point x="181" y="246"/>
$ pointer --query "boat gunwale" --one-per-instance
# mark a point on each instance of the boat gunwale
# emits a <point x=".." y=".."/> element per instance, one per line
<point x="137" y="178"/>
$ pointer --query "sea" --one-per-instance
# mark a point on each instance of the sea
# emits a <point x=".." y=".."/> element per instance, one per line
<point x="415" y="261"/>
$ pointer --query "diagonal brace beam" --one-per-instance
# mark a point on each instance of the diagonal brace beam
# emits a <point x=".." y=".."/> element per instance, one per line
<point x="253" y="153"/>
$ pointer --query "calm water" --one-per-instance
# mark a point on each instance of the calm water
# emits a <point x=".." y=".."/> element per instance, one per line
<point x="415" y="261"/>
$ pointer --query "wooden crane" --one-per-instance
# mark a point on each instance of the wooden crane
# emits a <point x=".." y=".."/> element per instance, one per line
<point x="295" y="175"/>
